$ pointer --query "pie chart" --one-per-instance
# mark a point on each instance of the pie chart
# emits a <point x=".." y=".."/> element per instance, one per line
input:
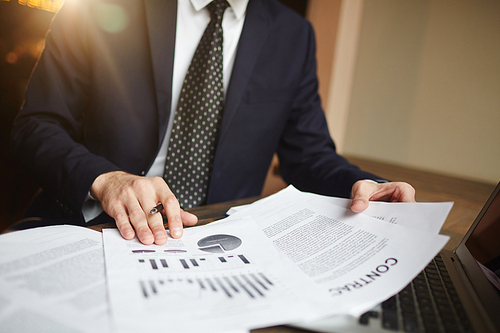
<point x="219" y="243"/>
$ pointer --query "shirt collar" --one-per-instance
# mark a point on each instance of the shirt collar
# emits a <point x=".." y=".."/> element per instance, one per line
<point x="238" y="6"/>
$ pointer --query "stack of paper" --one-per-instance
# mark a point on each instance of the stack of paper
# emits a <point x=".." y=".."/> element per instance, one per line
<point x="291" y="257"/>
<point x="360" y="260"/>
<point x="52" y="280"/>
<point x="219" y="277"/>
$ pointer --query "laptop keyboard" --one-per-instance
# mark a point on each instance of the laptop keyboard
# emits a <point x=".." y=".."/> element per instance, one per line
<point x="429" y="303"/>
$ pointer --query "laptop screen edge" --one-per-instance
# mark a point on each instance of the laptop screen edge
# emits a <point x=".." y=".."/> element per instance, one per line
<point x="488" y="295"/>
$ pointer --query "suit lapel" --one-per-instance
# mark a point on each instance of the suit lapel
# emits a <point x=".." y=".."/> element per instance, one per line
<point x="161" y="18"/>
<point x="253" y="37"/>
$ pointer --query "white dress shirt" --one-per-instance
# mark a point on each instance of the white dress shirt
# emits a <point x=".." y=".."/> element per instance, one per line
<point x="192" y="19"/>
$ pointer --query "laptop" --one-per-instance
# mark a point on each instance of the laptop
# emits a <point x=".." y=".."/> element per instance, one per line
<point x="459" y="291"/>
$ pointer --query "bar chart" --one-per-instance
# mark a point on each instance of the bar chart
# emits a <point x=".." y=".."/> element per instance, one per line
<point x="216" y="278"/>
<point x="247" y="285"/>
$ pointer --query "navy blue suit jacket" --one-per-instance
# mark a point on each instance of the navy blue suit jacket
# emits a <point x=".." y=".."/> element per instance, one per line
<point x="100" y="95"/>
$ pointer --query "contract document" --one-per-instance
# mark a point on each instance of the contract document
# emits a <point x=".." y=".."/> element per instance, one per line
<point x="425" y="216"/>
<point x="356" y="259"/>
<point x="217" y="278"/>
<point x="52" y="280"/>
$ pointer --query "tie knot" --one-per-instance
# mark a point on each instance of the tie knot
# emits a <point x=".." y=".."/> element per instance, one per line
<point x="217" y="8"/>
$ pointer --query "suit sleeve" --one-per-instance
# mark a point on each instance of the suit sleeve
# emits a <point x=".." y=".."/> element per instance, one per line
<point x="48" y="133"/>
<point x="307" y="154"/>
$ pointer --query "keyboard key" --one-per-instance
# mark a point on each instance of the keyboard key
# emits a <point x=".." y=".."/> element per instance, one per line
<point x="390" y="320"/>
<point x="410" y="324"/>
<point x="390" y="314"/>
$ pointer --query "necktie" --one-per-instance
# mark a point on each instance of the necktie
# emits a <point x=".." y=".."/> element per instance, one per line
<point x="196" y="124"/>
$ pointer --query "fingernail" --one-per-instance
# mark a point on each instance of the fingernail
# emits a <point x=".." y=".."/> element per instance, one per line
<point x="354" y="202"/>
<point x="128" y="233"/>
<point x="176" y="232"/>
<point x="147" y="237"/>
<point x="160" y="234"/>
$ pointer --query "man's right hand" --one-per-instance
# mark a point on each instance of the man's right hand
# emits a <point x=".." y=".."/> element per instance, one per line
<point x="129" y="198"/>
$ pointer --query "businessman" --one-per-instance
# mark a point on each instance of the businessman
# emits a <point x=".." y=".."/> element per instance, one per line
<point x="136" y="103"/>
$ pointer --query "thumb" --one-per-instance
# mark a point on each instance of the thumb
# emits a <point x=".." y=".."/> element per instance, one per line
<point x="359" y="204"/>
<point x="360" y="194"/>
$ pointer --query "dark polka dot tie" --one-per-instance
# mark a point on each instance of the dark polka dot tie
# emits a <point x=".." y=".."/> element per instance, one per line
<point x="196" y="124"/>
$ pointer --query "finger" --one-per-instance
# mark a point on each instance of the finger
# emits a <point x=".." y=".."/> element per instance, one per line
<point x="155" y="222"/>
<point x="359" y="205"/>
<point x="361" y="193"/>
<point x="188" y="219"/>
<point x="123" y="225"/>
<point x="149" y="227"/>
<point x="405" y="192"/>
<point x="149" y="195"/>
<point x="393" y="192"/>
<point x="173" y="214"/>
<point x="138" y="219"/>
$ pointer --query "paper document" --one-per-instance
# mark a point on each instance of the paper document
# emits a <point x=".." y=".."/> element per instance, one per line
<point x="218" y="277"/>
<point x="358" y="260"/>
<point x="425" y="216"/>
<point x="52" y="280"/>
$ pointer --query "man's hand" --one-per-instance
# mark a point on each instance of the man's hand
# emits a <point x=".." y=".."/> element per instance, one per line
<point x="129" y="198"/>
<point x="364" y="191"/>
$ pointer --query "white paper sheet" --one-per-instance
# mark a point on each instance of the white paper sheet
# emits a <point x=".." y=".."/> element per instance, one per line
<point x="425" y="216"/>
<point x="52" y="280"/>
<point x="358" y="260"/>
<point x="217" y="277"/>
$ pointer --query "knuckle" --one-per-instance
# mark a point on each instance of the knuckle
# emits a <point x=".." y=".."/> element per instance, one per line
<point x="158" y="181"/>
<point x="121" y="216"/>
<point x="171" y="200"/>
<point x="136" y="212"/>
<point x="139" y="184"/>
<point x="157" y="228"/>
<point x="155" y="220"/>
<point x="143" y="232"/>
<point x="412" y="190"/>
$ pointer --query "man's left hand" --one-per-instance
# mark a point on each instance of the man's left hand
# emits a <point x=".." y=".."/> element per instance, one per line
<point x="364" y="191"/>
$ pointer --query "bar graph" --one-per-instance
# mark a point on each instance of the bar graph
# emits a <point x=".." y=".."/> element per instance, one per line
<point x="217" y="272"/>
<point x="250" y="286"/>
<point x="164" y="263"/>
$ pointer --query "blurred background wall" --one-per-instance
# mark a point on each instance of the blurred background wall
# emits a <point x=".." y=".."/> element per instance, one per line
<point x="414" y="83"/>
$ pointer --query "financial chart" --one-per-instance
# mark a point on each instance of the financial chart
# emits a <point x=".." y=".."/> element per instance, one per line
<point x="179" y="273"/>
<point x="217" y="277"/>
